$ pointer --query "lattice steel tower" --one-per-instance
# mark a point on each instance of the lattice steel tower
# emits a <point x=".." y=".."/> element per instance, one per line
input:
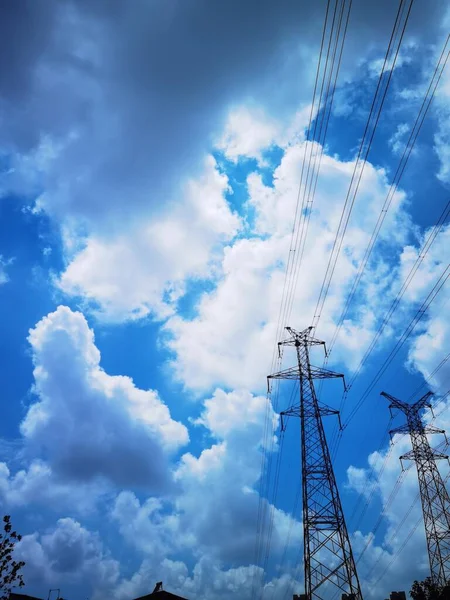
<point x="434" y="496"/>
<point x="328" y="554"/>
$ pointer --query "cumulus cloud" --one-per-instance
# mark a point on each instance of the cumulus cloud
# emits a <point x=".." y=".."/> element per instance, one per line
<point x="396" y="141"/>
<point x="106" y="125"/>
<point x="246" y="133"/>
<point x="125" y="115"/>
<point x="88" y="424"/>
<point x="225" y="342"/>
<point x="38" y="484"/>
<point x="152" y="527"/>
<point x="67" y="553"/>
<point x="429" y="350"/>
<point x="431" y="55"/>
<point x="4" y="264"/>
<point x="144" y="270"/>
<point x="388" y="562"/>
<point x="442" y="135"/>
<point x="106" y="109"/>
<point x="208" y="580"/>
<point x="220" y="536"/>
<point x="226" y="472"/>
<point x="429" y="354"/>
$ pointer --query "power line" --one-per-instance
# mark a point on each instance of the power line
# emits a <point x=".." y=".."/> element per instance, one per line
<point x="272" y="503"/>
<point x="428" y="98"/>
<point x="297" y="214"/>
<point x="288" y="274"/>
<point x="434" y="232"/>
<point x="397" y="486"/>
<point x="395" y="533"/>
<point x="263" y="499"/>
<point x="402" y="547"/>
<point x="426" y="103"/>
<point x="433" y="493"/>
<point x="410" y="328"/>
<point x="288" y="537"/>
<point x="376" y="476"/>
<point x="417" y="263"/>
<point x="323" y="116"/>
<point x="430" y="376"/>
<point x="362" y="157"/>
<point x="399" y="551"/>
<point x="328" y="556"/>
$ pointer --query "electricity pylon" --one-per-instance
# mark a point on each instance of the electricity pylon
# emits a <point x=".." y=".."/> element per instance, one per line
<point x="433" y="494"/>
<point x="327" y="549"/>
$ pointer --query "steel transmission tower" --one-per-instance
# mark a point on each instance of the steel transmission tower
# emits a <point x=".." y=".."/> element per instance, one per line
<point x="327" y="551"/>
<point x="434" y="496"/>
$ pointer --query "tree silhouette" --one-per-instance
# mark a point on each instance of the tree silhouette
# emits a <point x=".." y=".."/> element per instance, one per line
<point x="10" y="575"/>
<point x="427" y="590"/>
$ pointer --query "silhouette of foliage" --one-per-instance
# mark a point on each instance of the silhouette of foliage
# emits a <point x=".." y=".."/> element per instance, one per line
<point x="427" y="590"/>
<point x="10" y="575"/>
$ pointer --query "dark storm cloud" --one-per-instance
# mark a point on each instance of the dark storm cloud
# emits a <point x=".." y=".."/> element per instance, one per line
<point x="141" y="86"/>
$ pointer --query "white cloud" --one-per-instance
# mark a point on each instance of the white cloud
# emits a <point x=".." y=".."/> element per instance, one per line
<point x="396" y="141"/>
<point x="385" y="553"/>
<point x="4" y="264"/>
<point x="430" y="344"/>
<point x="226" y="343"/>
<point x="38" y="485"/>
<point x="226" y="473"/>
<point x="442" y="136"/>
<point x="247" y="133"/>
<point x="238" y="410"/>
<point x="442" y="147"/>
<point x="207" y="581"/>
<point x="143" y="269"/>
<point x="65" y="554"/>
<point x="218" y="532"/>
<point x="127" y="118"/>
<point x="434" y="57"/>
<point x="119" y="137"/>
<point x="152" y="527"/>
<point x="88" y="424"/>
<point x="428" y="350"/>
<point x="375" y="66"/>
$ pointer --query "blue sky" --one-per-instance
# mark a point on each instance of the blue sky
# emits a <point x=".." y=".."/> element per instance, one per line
<point x="150" y="162"/>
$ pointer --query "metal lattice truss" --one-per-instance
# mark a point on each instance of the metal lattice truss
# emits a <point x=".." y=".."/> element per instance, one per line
<point x="434" y="496"/>
<point x="328" y="561"/>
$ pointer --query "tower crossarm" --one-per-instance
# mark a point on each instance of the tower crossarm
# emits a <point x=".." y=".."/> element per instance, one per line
<point x="414" y="455"/>
<point x="291" y="373"/>
<point x="314" y="372"/>
<point x="324" y="410"/>
<point x="429" y="429"/>
<point x="423" y="402"/>
<point x="304" y="337"/>
<point x="409" y="409"/>
<point x="321" y="373"/>
<point x="426" y="429"/>
<point x="403" y="429"/>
